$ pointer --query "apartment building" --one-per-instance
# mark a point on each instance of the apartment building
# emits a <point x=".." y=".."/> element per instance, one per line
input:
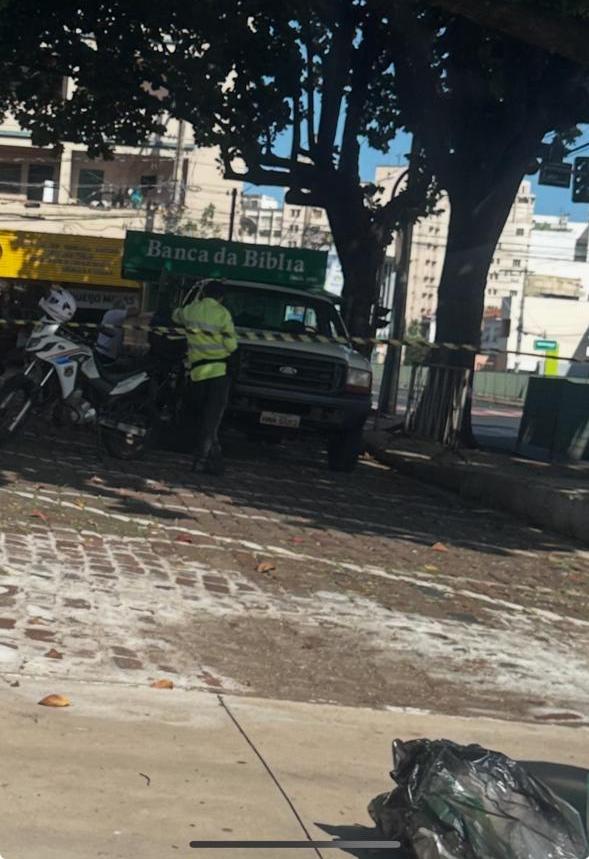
<point x="261" y="220"/>
<point x="305" y="226"/>
<point x="509" y="266"/>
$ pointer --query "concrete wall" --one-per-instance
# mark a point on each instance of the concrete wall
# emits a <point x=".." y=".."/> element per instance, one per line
<point x="507" y="272"/>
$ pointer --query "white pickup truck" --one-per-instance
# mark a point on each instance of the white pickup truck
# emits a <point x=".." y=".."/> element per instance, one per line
<point x="284" y="387"/>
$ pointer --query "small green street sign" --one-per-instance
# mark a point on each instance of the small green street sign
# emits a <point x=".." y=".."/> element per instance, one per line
<point x="545" y="345"/>
<point x="147" y="255"/>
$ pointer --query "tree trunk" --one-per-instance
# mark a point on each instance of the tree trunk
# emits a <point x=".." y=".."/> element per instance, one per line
<point x="476" y="224"/>
<point x="361" y="250"/>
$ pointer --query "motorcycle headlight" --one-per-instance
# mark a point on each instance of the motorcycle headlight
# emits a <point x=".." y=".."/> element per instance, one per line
<point x="358" y="381"/>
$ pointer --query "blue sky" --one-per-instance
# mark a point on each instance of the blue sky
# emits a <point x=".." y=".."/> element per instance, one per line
<point x="549" y="201"/>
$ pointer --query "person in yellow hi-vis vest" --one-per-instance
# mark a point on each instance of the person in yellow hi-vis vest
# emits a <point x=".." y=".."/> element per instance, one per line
<point x="211" y="339"/>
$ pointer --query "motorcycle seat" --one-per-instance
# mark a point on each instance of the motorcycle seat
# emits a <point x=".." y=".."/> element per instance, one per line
<point x="117" y="371"/>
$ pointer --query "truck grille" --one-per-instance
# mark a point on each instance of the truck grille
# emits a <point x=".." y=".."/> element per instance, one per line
<point x="289" y="370"/>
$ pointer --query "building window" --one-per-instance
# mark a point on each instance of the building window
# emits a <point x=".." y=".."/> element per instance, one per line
<point x="10" y="178"/>
<point x="90" y="184"/>
<point x="148" y="183"/>
<point x="523" y="200"/>
<point x="296" y="213"/>
<point x="38" y="175"/>
<point x="517" y="263"/>
<point x="520" y="231"/>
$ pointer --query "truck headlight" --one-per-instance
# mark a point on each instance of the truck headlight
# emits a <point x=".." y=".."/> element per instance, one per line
<point x="358" y="381"/>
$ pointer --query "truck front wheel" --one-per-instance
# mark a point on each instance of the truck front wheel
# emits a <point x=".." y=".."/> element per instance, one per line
<point x="343" y="450"/>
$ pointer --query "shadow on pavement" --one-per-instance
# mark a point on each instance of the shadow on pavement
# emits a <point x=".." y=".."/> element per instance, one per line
<point x="290" y="481"/>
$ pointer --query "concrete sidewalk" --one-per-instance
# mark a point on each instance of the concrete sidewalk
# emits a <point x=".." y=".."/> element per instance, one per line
<point x="140" y="772"/>
<point x="555" y="497"/>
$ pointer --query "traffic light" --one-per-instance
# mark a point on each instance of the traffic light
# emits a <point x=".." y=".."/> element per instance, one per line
<point x="581" y="180"/>
<point x="381" y="315"/>
<point x="553" y="170"/>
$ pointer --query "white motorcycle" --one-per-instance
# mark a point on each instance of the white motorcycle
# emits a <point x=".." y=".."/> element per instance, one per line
<point x="65" y="378"/>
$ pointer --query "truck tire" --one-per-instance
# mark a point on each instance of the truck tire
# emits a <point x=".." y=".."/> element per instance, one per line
<point x="343" y="450"/>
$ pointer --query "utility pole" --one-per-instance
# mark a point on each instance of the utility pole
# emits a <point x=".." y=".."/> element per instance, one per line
<point x="172" y="214"/>
<point x="232" y="214"/>
<point x="389" y="389"/>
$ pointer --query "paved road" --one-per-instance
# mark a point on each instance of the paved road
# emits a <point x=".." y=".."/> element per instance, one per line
<point x="496" y="425"/>
<point x="285" y="581"/>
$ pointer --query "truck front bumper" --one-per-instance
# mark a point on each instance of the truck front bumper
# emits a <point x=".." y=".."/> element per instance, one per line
<point x="322" y="413"/>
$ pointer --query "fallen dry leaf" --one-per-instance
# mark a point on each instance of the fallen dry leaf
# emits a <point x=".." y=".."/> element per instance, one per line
<point x="54" y="654"/>
<point x="184" y="538"/>
<point x="80" y="503"/>
<point x="38" y="514"/>
<point x="265" y="567"/>
<point x="430" y="568"/>
<point x="297" y="539"/>
<point x="96" y="479"/>
<point x="440" y="547"/>
<point x="55" y="701"/>
<point x="164" y="683"/>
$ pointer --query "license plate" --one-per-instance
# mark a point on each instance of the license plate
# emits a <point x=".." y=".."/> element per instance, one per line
<point x="275" y="419"/>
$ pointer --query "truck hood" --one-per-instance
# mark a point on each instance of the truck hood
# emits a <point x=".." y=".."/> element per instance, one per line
<point x="324" y="350"/>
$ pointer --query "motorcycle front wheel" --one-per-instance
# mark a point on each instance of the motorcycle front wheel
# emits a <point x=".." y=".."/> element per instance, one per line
<point x="17" y="398"/>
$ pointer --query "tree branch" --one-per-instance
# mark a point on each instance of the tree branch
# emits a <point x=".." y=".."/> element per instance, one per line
<point x="363" y="65"/>
<point x="412" y="47"/>
<point x="335" y="75"/>
<point x="567" y="36"/>
<point x="296" y="128"/>
<point x="298" y="197"/>
<point x="309" y="90"/>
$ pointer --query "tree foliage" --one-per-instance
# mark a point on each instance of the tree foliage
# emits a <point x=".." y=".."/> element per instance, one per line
<point x="246" y="75"/>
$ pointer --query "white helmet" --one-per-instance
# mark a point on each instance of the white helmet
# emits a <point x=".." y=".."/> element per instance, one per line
<point x="60" y="304"/>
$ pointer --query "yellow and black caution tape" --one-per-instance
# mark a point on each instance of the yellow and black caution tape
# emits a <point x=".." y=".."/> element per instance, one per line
<point x="254" y="334"/>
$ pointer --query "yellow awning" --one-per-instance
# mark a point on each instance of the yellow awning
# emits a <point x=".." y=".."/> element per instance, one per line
<point x="71" y="259"/>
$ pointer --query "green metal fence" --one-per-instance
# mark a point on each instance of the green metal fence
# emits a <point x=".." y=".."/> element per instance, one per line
<point x="492" y="385"/>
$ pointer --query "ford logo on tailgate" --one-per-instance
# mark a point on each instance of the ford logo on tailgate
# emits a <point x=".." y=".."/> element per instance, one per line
<point x="288" y="371"/>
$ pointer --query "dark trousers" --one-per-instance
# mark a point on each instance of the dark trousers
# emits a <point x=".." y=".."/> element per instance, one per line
<point x="208" y="401"/>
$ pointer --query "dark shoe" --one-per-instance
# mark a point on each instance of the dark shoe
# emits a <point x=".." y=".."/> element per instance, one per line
<point x="214" y="464"/>
<point x="198" y="466"/>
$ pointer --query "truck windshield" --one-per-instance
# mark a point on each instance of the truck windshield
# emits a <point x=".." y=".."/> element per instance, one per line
<point x="293" y="313"/>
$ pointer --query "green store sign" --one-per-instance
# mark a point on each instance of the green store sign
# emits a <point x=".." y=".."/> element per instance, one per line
<point x="147" y="255"/>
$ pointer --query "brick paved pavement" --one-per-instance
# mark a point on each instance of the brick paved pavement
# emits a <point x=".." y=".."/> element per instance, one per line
<point x="133" y="572"/>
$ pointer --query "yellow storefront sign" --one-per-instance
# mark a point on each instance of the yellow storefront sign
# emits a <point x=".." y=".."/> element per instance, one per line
<point x="68" y="259"/>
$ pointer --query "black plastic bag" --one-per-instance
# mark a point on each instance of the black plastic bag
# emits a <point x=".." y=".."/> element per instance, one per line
<point x="465" y="802"/>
